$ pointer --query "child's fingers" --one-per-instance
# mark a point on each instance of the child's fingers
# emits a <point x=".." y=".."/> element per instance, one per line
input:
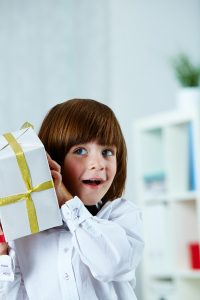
<point x="57" y="178"/>
<point x="53" y="164"/>
<point x="3" y="248"/>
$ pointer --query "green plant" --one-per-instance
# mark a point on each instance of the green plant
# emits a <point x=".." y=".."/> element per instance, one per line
<point x="187" y="73"/>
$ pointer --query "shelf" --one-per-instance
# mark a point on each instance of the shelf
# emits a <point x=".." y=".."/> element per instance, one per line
<point x="162" y="275"/>
<point x="185" y="231"/>
<point x="173" y="197"/>
<point x="167" y="171"/>
<point x="163" y="120"/>
<point x="153" y="199"/>
<point x="185" y="196"/>
<point x="188" y="274"/>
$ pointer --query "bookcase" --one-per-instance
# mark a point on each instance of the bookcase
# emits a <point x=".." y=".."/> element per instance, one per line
<point x="167" y="181"/>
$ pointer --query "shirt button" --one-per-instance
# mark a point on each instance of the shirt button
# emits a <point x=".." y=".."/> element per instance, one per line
<point x="65" y="250"/>
<point x="66" y="276"/>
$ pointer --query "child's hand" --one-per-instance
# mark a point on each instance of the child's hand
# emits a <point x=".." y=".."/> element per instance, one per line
<point x="62" y="193"/>
<point x="3" y="244"/>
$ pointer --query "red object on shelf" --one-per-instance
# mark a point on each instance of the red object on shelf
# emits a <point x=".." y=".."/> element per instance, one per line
<point x="194" y="251"/>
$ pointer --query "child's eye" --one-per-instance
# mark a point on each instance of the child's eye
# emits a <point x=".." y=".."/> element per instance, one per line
<point x="108" y="152"/>
<point x="80" y="151"/>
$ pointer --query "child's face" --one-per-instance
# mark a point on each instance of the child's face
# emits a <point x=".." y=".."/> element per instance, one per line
<point x="89" y="170"/>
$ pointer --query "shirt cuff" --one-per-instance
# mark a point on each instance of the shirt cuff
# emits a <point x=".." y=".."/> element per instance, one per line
<point x="6" y="268"/>
<point x="74" y="213"/>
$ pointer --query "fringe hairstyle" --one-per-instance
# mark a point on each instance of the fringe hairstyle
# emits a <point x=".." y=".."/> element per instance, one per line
<point x="78" y="121"/>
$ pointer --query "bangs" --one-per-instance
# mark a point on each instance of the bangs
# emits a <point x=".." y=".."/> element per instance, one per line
<point x="93" y="125"/>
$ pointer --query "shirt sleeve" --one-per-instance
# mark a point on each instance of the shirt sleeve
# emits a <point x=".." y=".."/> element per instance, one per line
<point x="111" y="243"/>
<point x="6" y="268"/>
<point x="11" y="283"/>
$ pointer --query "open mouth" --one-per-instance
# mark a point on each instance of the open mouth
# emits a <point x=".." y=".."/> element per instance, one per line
<point x="92" y="181"/>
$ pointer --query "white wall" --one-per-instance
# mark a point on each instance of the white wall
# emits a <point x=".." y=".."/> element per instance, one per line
<point x="116" y="51"/>
<point x="51" y="50"/>
<point x="33" y="58"/>
<point x="144" y="35"/>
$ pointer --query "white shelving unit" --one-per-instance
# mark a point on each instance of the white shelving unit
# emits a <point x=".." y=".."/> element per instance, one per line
<point x="167" y="173"/>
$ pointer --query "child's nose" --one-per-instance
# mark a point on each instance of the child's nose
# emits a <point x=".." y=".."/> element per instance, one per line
<point x="96" y="163"/>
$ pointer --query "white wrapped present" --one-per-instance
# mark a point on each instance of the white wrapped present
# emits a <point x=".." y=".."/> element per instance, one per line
<point x="28" y="202"/>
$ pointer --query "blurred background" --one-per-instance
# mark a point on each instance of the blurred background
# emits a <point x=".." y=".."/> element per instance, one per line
<point x="114" y="51"/>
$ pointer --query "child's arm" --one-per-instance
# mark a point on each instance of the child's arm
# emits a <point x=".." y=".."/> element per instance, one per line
<point x="111" y="243"/>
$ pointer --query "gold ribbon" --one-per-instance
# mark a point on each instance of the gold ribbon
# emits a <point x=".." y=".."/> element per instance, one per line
<point x="27" y="125"/>
<point x="24" y="169"/>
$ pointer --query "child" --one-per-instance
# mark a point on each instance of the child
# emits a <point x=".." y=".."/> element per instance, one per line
<point x="95" y="253"/>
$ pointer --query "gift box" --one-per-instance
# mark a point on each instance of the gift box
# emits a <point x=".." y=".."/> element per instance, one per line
<point x="28" y="202"/>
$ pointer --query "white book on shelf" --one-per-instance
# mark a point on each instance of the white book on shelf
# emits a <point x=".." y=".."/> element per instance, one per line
<point x="177" y="157"/>
<point x="157" y="252"/>
<point x="151" y="151"/>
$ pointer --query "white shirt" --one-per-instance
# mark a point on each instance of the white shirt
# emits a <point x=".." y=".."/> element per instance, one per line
<point x="88" y="258"/>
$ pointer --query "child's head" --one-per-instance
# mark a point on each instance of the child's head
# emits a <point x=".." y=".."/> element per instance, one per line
<point x="79" y="121"/>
